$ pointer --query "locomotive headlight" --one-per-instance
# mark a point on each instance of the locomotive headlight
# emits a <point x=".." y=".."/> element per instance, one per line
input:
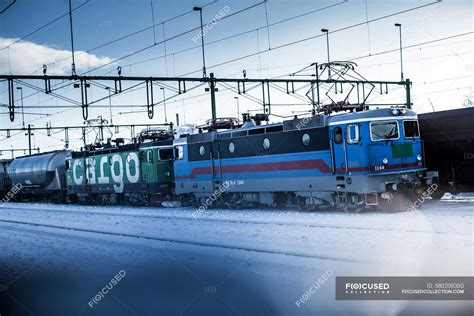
<point x="404" y="111"/>
<point x="385" y="161"/>
<point x="395" y="111"/>
<point x="418" y="157"/>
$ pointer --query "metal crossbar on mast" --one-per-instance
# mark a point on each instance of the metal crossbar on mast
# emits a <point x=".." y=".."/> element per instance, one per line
<point x="315" y="82"/>
<point x="29" y="130"/>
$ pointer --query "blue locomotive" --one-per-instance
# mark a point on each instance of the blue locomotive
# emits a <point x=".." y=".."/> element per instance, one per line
<point x="352" y="161"/>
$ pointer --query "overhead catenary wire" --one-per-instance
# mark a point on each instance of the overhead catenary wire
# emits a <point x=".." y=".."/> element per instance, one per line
<point x="8" y="6"/>
<point x="319" y="35"/>
<point x="171" y="38"/>
<point x="149" y="46"/>
<point x="283" y="45"/>
<point x="245" y="9"/>
<point x="173" y="53"/>
<point x="131" y="34"/>
<point x="286" y="44"/>
<point x="418" y="59"/>
<point x="377" y="64"/>
<point x="424" y="43"/>
<point x="414" y="45"/>
<point x="242" y="33"/>
<point x="43" y="26"/>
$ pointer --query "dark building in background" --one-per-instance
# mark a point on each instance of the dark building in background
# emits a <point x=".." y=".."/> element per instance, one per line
<point x="449" y="146"/>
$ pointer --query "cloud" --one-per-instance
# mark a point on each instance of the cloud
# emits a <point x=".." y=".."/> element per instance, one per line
<point x="27" y="57"/>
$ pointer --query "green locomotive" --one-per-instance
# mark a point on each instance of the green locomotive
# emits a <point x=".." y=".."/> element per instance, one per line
<point x="137" y="173"/>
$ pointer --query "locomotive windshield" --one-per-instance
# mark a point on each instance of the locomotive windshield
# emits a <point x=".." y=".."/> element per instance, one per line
<point x="384" y="130"/>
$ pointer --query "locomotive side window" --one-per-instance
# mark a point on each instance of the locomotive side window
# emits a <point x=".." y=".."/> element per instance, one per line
<point x="410" y="129"/>
<point x="338" y="135"/>
<point x="178" y="152"/>
<point x="353" y="135"/>
<point x="165" y="154"/>
<point x="384" y="130"/>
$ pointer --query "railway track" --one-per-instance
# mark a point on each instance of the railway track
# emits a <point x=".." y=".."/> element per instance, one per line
<point x="231" y="221"/>
<point x="188" y="242"/>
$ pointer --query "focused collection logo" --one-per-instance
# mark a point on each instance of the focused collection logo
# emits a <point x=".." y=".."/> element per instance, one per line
<point x="367" y="288"/>
<point x="404" y="288"/>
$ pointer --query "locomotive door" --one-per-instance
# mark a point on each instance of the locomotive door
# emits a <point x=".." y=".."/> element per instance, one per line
<point x="339" y="151"/>
<point x="216" y="164"/>
<point x="148" y="167"/>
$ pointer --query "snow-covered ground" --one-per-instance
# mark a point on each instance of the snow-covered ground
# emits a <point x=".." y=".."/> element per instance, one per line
<point x="54" y="259"/>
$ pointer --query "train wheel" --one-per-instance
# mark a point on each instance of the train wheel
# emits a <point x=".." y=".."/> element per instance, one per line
<point x="72" y="198"/>
<point x="352" y="209"/>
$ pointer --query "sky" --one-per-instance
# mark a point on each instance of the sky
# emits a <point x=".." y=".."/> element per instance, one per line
<point x="437" y="40"/>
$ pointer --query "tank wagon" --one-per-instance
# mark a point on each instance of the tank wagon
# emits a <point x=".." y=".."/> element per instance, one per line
<point x="352" y="160"/>
<point x="41" y="176"/>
